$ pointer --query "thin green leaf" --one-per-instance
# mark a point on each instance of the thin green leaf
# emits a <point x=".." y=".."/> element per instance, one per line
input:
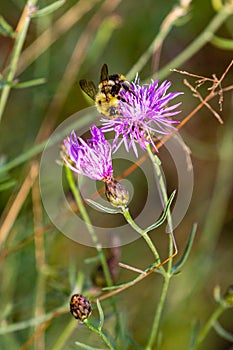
<point x="48" y="9"/>
<point x="187" y="250"/>
<point x="102" y="208"/>
<point x="117" y="286"/>
<point x="32" y="322"/>
<point x="222" y="332"/>
<point x="6" y="312"/>
<point x="86" y="347"/>
<point x="22" y="85"/>
<point x="6" y="29"/>
<point x="3" y="82"/>
<point x="6" y="185"/>
<point x="163" y="217"/>
<point x="101" y="314"/>
<point x="194" y="335"/>
<point x="222" y="43"/>
<point x="29" y="83"/>
<point x="93" y="259"/>
<point x="6" y="181"/>
<point x="133" y="343"/>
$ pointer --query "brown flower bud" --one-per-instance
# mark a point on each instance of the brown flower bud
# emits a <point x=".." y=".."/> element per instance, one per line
<point x="80" y="307"/>
<point x="116" y="193"/>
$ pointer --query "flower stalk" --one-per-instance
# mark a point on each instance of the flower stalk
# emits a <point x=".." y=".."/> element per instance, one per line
<point x="172" y="245"/>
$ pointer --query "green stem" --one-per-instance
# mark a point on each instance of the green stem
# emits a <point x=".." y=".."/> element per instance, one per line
<point x="19" y="41"/>
<point x="168" y="274"/>
<point x="208" y="325"/>
<point x="200" y="41"/>
<point x="65" y="335"/>
<point x="142" y="232"/>
<point x="100" y="333"/>
<point x="15" y="327"/>
<point x="94" y="238"/>
<point x="87" y="220"/>
<point x="158" y="313"/>
<point x="162" y="186"/>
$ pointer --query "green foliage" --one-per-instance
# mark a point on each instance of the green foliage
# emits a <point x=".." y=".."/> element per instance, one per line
<point x="5" y="28"/>
<point x="39" y="267"/>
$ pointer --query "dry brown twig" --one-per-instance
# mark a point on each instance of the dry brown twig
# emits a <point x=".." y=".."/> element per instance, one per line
<point x="198" y="95"/>
<point x="215" y="89"/>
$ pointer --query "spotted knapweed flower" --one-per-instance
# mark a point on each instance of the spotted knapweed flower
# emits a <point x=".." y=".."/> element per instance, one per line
<point x="91" y="158"/>
<point x="145" y="114"/>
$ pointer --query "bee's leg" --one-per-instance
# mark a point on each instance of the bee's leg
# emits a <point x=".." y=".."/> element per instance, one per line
<point x="121" y="99"/>
<point x="126" y="87"/>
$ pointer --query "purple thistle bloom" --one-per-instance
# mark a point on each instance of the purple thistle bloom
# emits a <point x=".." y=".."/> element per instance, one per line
<point x="91" y="158"/>
<point x="144" y="114"/>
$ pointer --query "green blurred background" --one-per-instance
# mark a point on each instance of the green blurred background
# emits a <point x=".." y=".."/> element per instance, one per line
<point x="75" y="46"/>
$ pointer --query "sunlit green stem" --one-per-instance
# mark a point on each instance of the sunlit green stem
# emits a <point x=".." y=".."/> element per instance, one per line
<point x="90" y="228"/>
<point x="168" y="274"/>
<point x="19" y="41"/>
<point x="202" y="335"/>
<point x="164" y="197"/>
<point x="65" y="335"/>
<point x="100" y="333"/>
<point x="142" y="232"/>
<point x="94" y="238"/>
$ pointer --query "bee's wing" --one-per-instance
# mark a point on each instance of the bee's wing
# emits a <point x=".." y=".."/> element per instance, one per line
<point x="88" y="87"/>
<point x="104" y="73"/>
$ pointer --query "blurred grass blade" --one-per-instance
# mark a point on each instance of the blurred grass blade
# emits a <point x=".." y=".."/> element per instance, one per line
<point x="101" y="314"/>
<point x="48" y="9"/>
<point x="102" y="208"/>
<point x="86" y="347"/>
<point x="187" y="250"/>
<point x="222" y="43"/>
<point x="6" y="29"/>
<point x="163" y="217"/>
<point x="30" y="83"/>
<point x="222" y="332"/>
<point x="7" y="184"/>
<point x="194" y="335"/>
<point x="92" y="260"/>
<point x="6" y="181"/>
<point x="32" y="322"/>
<point x="133" y="343"/>
<point x="101" y="40"/>
<point x="119" y="286"/>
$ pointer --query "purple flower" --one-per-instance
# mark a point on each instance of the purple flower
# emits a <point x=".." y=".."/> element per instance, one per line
<point x="91" y="158"/>
<point x="144" y="115"/>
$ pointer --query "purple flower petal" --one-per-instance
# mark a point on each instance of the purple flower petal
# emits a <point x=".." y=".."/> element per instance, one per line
<point x="144" y="115"/>
<point x="91" y="158"/>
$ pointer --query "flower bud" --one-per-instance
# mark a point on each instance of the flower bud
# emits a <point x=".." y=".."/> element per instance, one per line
<point x="116" y="193"/>
<point x="80" y="307"/>
<point x="228" y="296"/>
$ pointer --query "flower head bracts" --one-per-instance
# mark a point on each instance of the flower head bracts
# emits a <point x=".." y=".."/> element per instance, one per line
<point x="91" y="158"/>
<point x="144" y="114"/>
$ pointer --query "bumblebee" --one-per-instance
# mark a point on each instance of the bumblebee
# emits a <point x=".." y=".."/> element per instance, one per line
<point x="106" y="96"/>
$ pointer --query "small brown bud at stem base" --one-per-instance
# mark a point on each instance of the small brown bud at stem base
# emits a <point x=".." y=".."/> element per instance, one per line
<point x="116" y="193"/>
